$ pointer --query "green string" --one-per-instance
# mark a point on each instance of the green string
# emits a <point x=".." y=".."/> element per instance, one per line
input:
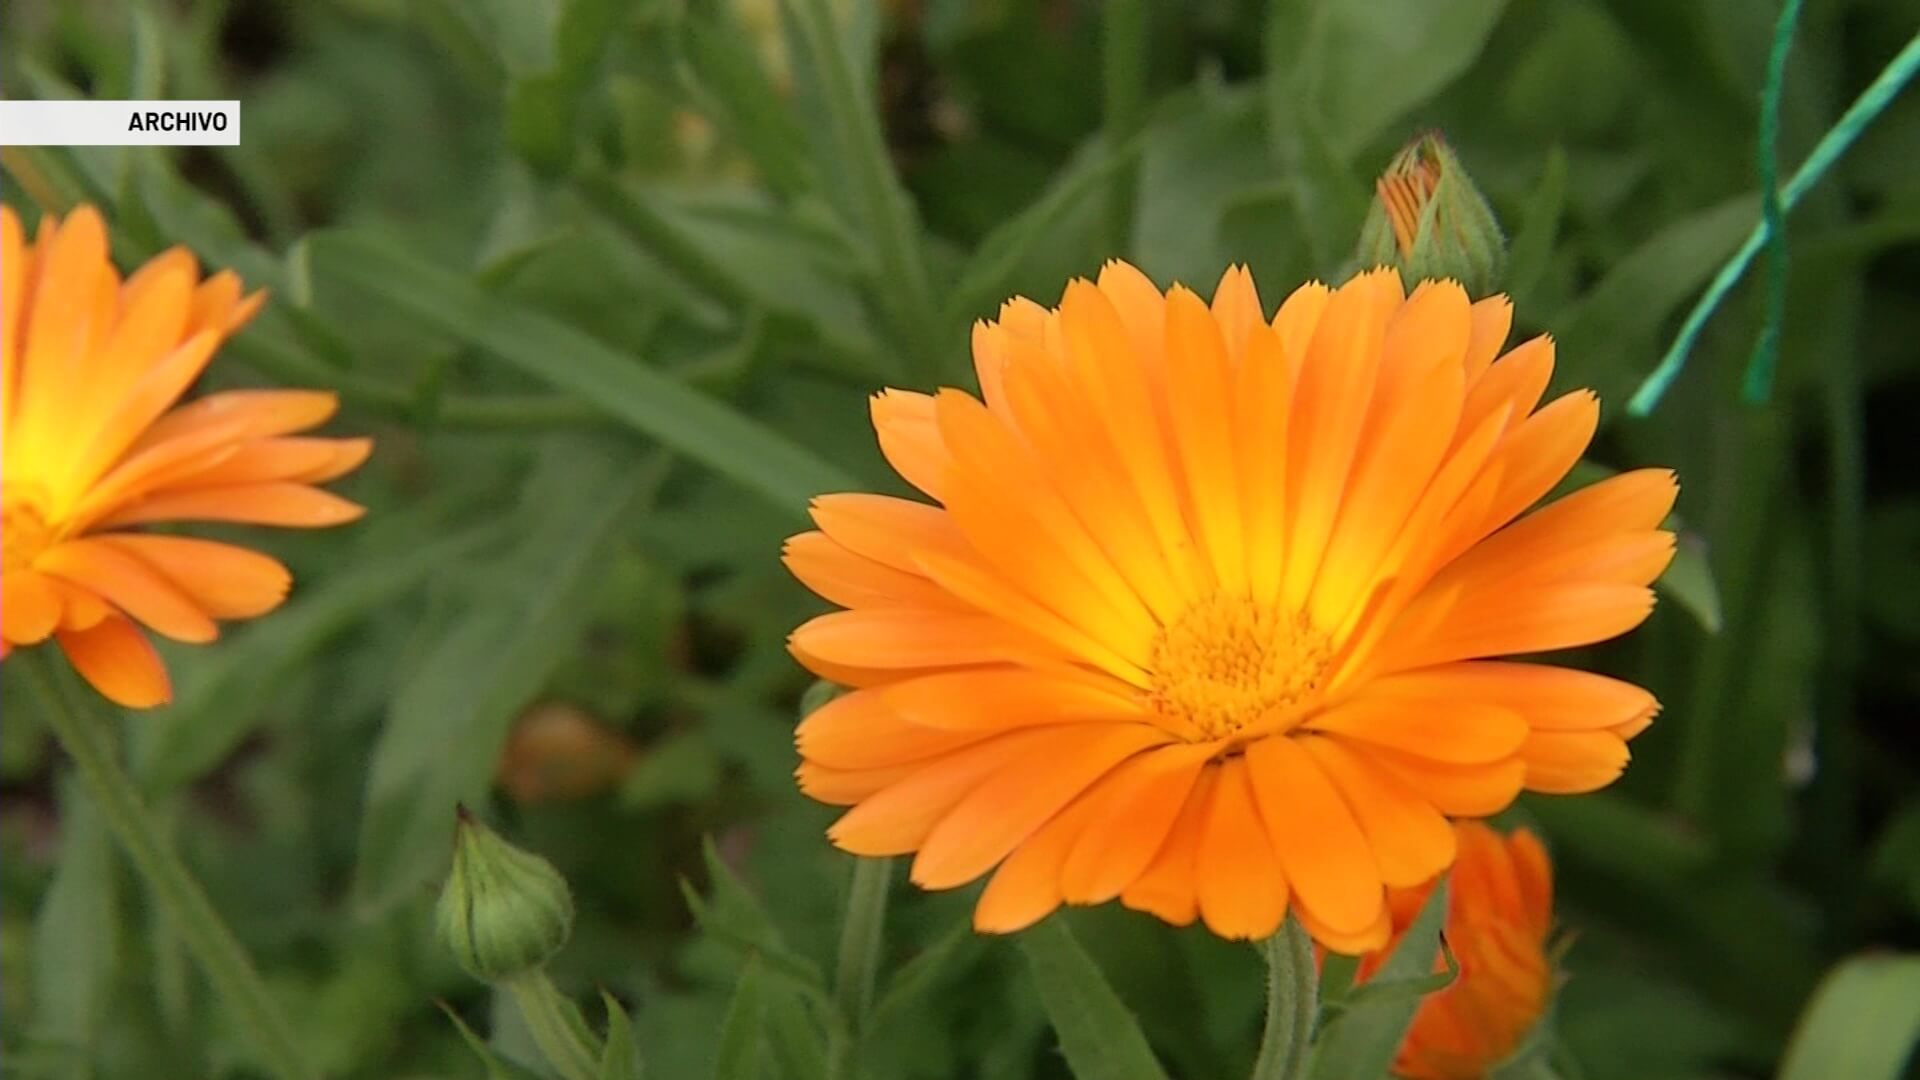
<point x="1838" y="139"/>
<point x="1766" y="351"/>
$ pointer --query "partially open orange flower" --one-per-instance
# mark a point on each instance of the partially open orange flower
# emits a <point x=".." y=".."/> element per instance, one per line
<point x="1204" y="619"/>
<point x="1499" y="915"/>
<point x="91" y="366"/>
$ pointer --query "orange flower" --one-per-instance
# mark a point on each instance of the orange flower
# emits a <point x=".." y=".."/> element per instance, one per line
<point x="1204" y="619"/>
<point x="91" y="365"/>
<point x="1500" y="910"/>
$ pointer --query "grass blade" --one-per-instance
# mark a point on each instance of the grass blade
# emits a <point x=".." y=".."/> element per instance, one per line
<point x="646" y="400"/>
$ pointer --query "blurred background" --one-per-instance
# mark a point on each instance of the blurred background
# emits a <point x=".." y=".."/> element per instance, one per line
<point x="610" y="283"/>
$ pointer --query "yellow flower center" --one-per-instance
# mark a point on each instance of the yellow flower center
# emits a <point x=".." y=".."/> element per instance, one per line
<point x="1227" y="661"/>
<point x="24" y="533"/>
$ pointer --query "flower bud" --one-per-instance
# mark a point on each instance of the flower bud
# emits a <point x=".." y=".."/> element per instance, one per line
<point x="1429" y="221"/>
<point x="819" y="694"/>
<point x="504" y="912"/>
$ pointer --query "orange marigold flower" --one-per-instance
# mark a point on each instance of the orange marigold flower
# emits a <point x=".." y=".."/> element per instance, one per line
<point x="1499" y="915"/>
<point x="1204" y="618"/>
<point x="89" y="366"/>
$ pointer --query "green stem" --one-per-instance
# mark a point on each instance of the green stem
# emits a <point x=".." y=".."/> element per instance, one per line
<point x="1865" y="108"/>
<point x="860" y="943"/>
<point x="1766" y="351"/>
<point x="180" y="898"/>
<point x="545" y="1013"/>
<point x="1834" y="795"/>
<point x="1124" y="72"/>
<point x="1293" y="990"/>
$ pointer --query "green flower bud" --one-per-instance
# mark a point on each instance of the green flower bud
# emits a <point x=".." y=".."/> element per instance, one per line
<point x="504" y="912"/>
<point x="817" y="695"/>
<point x="1429" y="221"/>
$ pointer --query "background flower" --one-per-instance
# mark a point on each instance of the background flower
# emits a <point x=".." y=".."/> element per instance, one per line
<point x="1499" y="916"/>
<point x="92" y="367"/>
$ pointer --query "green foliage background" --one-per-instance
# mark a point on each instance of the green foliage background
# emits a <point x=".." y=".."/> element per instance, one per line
<point x="610" y="283"/>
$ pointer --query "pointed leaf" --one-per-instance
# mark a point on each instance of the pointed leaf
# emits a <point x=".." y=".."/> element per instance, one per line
<point x="1359" y="1043"/>
<point x="738" y="1056"/>
<point x="1863" y="1023"/>
<point x="646" y="400"/>
<point x="1099" y="1035"/>
<point x="498" y="1068"/>
<point x="621" y="1059"/>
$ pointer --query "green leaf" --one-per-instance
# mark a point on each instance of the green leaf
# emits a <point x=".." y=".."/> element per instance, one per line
<point x="450" y="717"/>
<point x="919" y="974"/>
<point x="543" y="110"/>
<point x="650" y="402"/>
<point x="681" y="768"/>
<point x="498" y="1068"/>
<point x="231" y="694"/>
<point x="794" y="1036"/>
<point x="735" y="917"/>
<point x="1863" y="1023"/>
<point x="1099" y="1035"/>
<point x="1333" y="59"/>
<point x="726" y="64"/>
<point x="1689" y="579"/>
<point x="1896" y="855"/>
<point x="621" y="1058"/>
<point x="1532" y="246"/>
<point x="988" y="277"/>
<point x="76" y="935"/>
<point x="738" y="1053"/>
<point x="1359" y="1043"/>
<point x="879" y="203"/>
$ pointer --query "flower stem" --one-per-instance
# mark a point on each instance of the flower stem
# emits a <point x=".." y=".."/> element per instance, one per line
<point x="545" y="1013"/>
<point x="1293" y="991"/>
<point x="860" y="941"/>
<point x="181" y="899"/>
<point x="892" y="228"/>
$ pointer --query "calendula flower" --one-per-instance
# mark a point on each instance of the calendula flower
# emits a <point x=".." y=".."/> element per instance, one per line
<point x="1499" y="915"/>
<point x="1206" y="618"/>
<point x="92" y="366"/>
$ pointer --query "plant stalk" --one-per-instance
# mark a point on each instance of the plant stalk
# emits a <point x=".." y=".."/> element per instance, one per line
<point x="184" y="904"/>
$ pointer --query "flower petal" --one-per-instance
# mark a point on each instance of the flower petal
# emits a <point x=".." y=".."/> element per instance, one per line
<point x="1325" y="855"/>
<point x="225" y="581"/>
<point x="288" y="505"/>
<point x="995" y="817"/>
<point x="1411" y="840"/>
<point x="119" y="661"/>
<point x="29" y="607"/>
<point x="1242" y="892"/>
<point x="1168" y="888"/>
<point x="130" y="585"/>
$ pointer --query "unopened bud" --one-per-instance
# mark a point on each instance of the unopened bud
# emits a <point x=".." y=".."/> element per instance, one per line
<point x="504" y="911"/>
<point x="1429" y="221"/>
<point x="817" y="695"/>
